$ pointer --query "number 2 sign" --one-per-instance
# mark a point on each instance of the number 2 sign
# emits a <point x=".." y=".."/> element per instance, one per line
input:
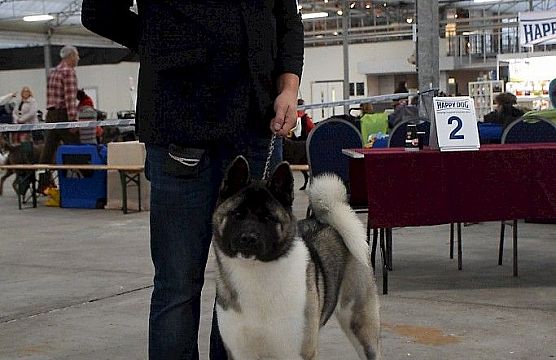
<point x="455" y="125"/>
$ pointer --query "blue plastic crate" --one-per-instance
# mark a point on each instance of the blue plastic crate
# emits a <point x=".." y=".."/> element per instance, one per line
<point x="83" y="188"/>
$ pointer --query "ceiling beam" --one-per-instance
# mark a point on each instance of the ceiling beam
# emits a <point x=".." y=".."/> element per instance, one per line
<point x="19" y="37"/>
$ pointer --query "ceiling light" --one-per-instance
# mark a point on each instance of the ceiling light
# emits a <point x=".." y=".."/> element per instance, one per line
<point x="409" y="20"/>
<point x="44" y="17"/>
<point x="335" y="33"/>
<point x="326" y="1"/>
<point x="352" y="5"/>
<point x="316" y="15"/>
<point x="340" y="12"/>
<point x="368" y="6"/>
<point x="384" y="4"/>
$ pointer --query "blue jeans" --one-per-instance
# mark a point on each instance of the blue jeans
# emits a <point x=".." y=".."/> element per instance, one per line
<point x="181" y="214"/>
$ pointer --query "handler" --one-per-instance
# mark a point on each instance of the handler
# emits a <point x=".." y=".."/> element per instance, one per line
<point x="215" y="75"/>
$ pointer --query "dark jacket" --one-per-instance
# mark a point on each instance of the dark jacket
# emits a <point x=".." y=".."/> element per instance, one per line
<point x="179" y="77"/>
<point x="504" y="117"/>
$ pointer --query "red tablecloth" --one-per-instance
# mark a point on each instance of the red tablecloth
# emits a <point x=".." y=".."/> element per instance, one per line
<point x="498" y="182"/>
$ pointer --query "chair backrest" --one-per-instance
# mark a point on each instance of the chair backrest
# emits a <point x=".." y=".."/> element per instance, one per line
<point x="325" y="144"/>
<point x="397" y="135"/>
<point x="530" y="130"/>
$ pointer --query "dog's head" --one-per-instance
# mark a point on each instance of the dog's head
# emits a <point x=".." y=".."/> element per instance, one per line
<point x="254" y="218"/>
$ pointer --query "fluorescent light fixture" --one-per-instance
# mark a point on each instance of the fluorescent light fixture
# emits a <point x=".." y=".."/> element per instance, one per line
<point x="44" y="17"/>
<point x="315" y="15"/>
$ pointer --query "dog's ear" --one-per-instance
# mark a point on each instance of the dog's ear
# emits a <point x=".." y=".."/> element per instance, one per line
<point x="236" y="178"/>
<point x="281" y="184"/>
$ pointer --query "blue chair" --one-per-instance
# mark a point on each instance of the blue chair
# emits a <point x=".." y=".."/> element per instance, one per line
<point x="523" y="131"/>
<point x="325" y="144"/>
<point x="397" y="135"/>
<point x="530" y="130"/>
<point x="324" y="155"/>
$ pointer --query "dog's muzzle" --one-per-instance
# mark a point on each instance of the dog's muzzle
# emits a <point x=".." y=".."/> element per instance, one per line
<point x="248" y="244"/>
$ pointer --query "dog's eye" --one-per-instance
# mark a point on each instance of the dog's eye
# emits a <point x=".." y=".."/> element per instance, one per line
<point x="237" y="214"/>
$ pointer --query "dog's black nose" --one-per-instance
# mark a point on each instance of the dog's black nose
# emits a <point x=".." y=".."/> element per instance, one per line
<point x="247" y="242"/>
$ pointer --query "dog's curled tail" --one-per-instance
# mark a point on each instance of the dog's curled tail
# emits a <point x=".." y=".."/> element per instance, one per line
<point x="328" y="199"/>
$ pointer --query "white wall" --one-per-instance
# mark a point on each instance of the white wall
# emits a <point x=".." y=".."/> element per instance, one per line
<point x="111" y="81"/>
<point x="321" y="64"/>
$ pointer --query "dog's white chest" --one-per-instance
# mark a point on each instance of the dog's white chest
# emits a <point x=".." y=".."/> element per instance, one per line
<point x="272" y="297"/>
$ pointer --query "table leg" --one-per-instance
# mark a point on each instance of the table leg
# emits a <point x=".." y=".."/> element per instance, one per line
<point x="501" y="244"/>
<point x="451" y="240"/>
<point x="373" y="247"/>
<point x="459" y="247"/>
<point x="515" y="247"/>
<point x="34" y="189"/>
<point x="389" y="248"/>
<point x="139" y="189"/>
<point x="124" y="190"/>
<point x="384" y="263"/>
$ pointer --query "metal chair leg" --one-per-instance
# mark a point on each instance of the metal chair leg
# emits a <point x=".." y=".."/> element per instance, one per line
<point x="501" y="244"/>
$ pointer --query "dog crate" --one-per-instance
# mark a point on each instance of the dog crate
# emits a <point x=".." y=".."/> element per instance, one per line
<point x="82" y="188"/>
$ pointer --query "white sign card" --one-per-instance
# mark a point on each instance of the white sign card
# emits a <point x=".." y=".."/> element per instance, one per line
<point x="455" y="125"/>
<point x="537" y="28"/>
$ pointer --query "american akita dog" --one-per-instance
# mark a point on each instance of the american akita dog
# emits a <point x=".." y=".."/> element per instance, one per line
<point x="280" y="280"/>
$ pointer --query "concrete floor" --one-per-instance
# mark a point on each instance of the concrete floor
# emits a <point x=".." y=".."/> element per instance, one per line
<point x="75" y="284"/>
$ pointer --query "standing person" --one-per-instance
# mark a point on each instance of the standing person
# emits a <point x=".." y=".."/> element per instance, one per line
<point x="61" y="103"/>
<point x="401" y="89"/>
<point x="214" y="76"/>
<point x="305" y="122"/>
<point x="25" y="113"/>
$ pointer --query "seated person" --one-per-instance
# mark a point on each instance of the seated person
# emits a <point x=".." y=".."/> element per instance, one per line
<point x="372" y="123"/>
<point x="404" y="112"/>
<point x="505" y="111"/>
<point x="548" y="114"/>
<point x="552" y="92"/>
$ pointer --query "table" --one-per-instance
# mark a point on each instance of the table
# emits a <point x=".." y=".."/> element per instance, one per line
<point x="129" y="174"/>
<point x="429" y="187"/>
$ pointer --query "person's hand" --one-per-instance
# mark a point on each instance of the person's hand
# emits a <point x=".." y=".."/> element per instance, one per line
<point x="285" y="108"/>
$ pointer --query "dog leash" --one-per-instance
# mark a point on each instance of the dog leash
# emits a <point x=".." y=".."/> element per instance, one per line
<point x="269" y="156"/>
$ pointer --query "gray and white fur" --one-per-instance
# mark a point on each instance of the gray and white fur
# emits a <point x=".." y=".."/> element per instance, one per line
<point x="280" y="280"/>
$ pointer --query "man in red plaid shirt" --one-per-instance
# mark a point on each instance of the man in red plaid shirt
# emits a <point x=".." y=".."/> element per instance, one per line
<point x="61" y="103"/>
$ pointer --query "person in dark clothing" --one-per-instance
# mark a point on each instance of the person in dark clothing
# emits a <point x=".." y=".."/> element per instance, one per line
<point x="552" y="92"/>
<point x="401" y="88"/>
<point x="505" y="111"/>
<point x="217" y="78"/>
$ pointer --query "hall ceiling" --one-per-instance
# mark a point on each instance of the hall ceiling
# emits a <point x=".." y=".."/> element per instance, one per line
<point x="66" y="25"/>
